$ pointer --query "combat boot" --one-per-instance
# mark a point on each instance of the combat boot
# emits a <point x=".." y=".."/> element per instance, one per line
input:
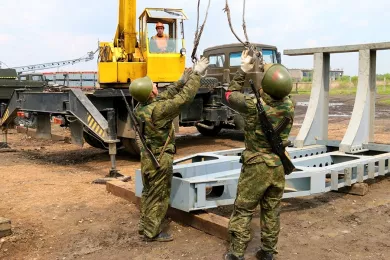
<point x="230" y="256"/>
<point x="162" y="237"/>
<point x="262" y="255"/>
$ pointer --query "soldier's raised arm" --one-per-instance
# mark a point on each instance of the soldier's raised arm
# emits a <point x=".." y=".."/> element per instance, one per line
<point x="175" y="87"/>
<point x="237" y="100"/>
<point x="169" y="109"/>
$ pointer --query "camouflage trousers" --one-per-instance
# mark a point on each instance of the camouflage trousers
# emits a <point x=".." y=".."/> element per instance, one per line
<point x="258" y="183"/>
<point x="155" y="194"/>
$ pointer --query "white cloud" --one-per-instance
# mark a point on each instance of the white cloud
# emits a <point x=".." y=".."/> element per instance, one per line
<point x="311" y="43"/>
<point x="5" y="38"/>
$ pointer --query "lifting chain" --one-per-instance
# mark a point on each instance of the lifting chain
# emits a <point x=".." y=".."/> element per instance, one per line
<point x="251" y="47"/>
<point x="198" y="32"/>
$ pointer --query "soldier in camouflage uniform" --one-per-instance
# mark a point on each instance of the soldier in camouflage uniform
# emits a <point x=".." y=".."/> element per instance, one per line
<point x="158" y="112"/>
<point x="262" y="177"/>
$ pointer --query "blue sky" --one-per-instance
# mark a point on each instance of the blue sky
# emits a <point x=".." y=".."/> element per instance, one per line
<point x="53" y="30"/>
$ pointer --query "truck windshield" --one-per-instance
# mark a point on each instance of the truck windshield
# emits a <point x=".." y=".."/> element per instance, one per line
<point x="269" y="56"/>
<point x="216" y="61"/>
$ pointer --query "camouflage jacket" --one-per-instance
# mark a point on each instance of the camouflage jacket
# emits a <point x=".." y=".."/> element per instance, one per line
<point x="158" y="113"/>
<point x="257" y="148"/>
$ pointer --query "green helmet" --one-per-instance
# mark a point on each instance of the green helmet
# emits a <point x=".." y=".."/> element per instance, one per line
<point x="277" y="81"/>
<point x="141" y="88"/>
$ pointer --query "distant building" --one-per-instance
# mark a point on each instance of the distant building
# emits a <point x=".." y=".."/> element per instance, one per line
<point x="301" y="74"/>
<point x="84" y="79"/>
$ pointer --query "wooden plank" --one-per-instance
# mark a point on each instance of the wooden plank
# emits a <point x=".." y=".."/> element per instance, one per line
<point x="339" y="49"/>
<point x="209" y="223"/>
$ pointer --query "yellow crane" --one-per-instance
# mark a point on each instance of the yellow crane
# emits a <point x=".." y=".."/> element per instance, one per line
<point x="132" y="54"/>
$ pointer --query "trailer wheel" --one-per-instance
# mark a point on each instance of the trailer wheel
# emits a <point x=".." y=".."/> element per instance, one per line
<point x="132" y="146"/>
<point x="212" y="131"/>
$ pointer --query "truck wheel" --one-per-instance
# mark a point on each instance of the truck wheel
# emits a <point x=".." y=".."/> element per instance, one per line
<point x="131" y="146"/>
<point x="94" y="142"/>
<point x="208" y="82"/>
<point x="210" y="131"/>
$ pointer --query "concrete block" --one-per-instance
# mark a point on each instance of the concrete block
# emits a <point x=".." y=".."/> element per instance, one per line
<point x="5" y="227"/>
<point x="360" y="189"/>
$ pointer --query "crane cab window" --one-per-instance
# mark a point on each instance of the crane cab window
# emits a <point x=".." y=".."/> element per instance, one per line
<point x="163" y="38"/>
<point x="216" y="61"/>
<point x="163" y="30"/>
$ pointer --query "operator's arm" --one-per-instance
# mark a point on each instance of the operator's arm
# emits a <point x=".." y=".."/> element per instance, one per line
<point x="169" y="109"/>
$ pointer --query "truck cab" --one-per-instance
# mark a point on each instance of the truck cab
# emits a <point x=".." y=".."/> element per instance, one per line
<point x="225" y="60"/>
<point x="209" y="111"/>
<point x="32" y="77"/>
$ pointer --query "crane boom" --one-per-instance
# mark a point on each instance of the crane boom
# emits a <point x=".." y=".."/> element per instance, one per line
<point x="56" y="64"/>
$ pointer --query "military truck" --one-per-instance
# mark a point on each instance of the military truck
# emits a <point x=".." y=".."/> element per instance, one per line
<point x="10" y="80"/>
<point x="209" y="112"/>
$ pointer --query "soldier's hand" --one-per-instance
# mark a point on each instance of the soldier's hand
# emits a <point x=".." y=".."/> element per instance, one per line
<point x="201" y="65"/>
<point x="186" y="74"/>
<point x="247" y="61"/>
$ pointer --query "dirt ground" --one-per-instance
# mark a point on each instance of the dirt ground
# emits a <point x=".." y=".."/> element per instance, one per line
<point x="57" y="213"/>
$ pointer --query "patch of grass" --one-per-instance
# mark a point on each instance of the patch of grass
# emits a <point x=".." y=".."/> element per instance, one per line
<point x="301" y="92"/>
<point x="383" y="90"/>
<point x="342" y="91"/>
<point x="380" y="90"/>
<point x="384" y="102"/>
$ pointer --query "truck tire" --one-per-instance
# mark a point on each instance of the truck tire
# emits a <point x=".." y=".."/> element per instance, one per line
<point x="209" y="132"/>
<point x="208" y="82"/>
<point x="131" y="146"/>
<point x="93" y="141"/>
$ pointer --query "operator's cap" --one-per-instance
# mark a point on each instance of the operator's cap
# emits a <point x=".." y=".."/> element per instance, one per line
<point x="159" y="25"/>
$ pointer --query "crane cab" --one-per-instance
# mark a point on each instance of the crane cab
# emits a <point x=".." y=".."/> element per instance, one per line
<point x="133" y="55"/>
<point x="164" y="53"/>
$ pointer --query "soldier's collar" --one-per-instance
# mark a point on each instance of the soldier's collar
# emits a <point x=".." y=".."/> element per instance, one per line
<point x="150" y="100"/>
<point x="269" y="100"/>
